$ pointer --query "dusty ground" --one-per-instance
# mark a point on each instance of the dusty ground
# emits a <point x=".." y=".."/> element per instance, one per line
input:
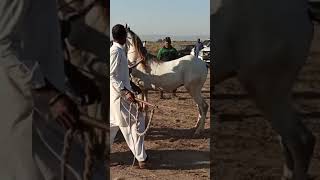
<point x="245" y="146"/>
<point x="174" y="152"/>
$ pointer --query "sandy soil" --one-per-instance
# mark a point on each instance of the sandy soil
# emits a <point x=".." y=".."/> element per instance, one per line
<point x="174" y="152"/>
<point x="245" y="146"/>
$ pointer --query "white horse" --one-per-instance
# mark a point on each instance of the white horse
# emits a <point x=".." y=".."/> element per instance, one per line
<point x="187" y="71"/>
<point x="265" y="43"/>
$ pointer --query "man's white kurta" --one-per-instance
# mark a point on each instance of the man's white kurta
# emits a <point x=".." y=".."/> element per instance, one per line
<point x="119" y="79"/>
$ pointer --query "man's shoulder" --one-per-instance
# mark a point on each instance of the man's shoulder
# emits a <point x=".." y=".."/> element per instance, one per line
<point x="173" y="49"/>
<point x="161" y="49"/>
<point x="115" y="49"/>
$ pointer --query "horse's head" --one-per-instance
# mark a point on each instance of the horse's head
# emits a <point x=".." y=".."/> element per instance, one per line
<point x="136" y="53"/>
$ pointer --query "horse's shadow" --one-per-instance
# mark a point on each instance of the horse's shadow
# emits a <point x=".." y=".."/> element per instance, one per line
<point x="186" y="98"/>
<point x="174" y="134"/>
<point x="168" y="159"/>
<point x="170" y="134"/>
<point x="236" y="96"/>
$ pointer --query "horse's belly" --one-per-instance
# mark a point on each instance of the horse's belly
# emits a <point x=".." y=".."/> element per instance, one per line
<point x="169" y="81"/>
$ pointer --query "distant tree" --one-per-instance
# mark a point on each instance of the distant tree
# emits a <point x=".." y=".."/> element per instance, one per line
<point x="159" y="40"/>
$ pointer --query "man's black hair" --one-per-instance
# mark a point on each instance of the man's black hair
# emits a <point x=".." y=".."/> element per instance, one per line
<point x="118" y="32"/>
<point x="167" y="39"/>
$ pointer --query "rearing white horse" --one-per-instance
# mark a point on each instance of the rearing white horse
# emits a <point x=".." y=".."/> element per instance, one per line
<point x="151" y="74"/>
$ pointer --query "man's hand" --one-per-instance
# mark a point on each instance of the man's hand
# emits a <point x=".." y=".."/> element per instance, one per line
<point x="129" y="96"/>
<point x="65" y="111"/>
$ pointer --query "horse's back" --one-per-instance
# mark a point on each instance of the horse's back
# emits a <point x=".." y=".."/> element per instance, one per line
<point x="186" y="63"/>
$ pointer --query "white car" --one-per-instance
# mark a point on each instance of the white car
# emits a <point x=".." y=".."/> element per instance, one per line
<point x="204" y="53"/>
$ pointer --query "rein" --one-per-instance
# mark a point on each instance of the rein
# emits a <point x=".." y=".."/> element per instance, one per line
<point x="135" y="65"/>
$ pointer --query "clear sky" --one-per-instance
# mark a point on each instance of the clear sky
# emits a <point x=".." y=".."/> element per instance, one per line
<point x="160" y="17"/>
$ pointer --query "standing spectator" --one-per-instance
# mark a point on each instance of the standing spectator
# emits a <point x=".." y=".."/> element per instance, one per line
<point x="197" y="48"/>
<point x="167" y="53"/>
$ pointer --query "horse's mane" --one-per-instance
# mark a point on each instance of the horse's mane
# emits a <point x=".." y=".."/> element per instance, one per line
<point x="154" y="59"/>
<point x="137" y="44"/>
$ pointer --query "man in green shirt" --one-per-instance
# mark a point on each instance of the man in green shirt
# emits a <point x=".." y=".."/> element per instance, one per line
<point x="167" y="53"/>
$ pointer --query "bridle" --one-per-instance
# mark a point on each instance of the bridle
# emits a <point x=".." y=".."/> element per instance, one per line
<point x="131" y="52"/>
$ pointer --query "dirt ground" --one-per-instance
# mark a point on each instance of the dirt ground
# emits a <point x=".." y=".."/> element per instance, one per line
<point x="245" y="146"/>
<point x="173" y="150"/>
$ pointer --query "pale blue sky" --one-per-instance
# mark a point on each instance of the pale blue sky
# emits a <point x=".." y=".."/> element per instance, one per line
<point x="163" y="17"/>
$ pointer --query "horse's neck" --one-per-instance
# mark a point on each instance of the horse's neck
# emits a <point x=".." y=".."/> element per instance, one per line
<point x="155" y="66"/>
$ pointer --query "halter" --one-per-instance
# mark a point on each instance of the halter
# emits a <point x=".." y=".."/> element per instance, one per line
<point x="135" y="65"/>
<point x="131" y="52"/>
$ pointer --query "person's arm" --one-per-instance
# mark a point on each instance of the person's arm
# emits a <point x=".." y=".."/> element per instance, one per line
<point x="114" y="79"/>
<point x="159" y="55"/>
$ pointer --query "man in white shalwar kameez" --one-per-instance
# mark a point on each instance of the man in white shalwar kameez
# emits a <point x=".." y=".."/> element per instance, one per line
<point x="120" y="98"/>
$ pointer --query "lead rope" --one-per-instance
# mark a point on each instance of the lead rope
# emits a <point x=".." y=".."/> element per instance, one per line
<point x="134" y="144"/>
<point x="88" y="162"/>
<point x="66" y="152"/>
<point x="88" y="168"/>
<point x="136" y="118"/>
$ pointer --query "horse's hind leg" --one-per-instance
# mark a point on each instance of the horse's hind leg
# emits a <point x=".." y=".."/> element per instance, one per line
<point x="202" y="107"/>
<point x="298" y="141"/>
